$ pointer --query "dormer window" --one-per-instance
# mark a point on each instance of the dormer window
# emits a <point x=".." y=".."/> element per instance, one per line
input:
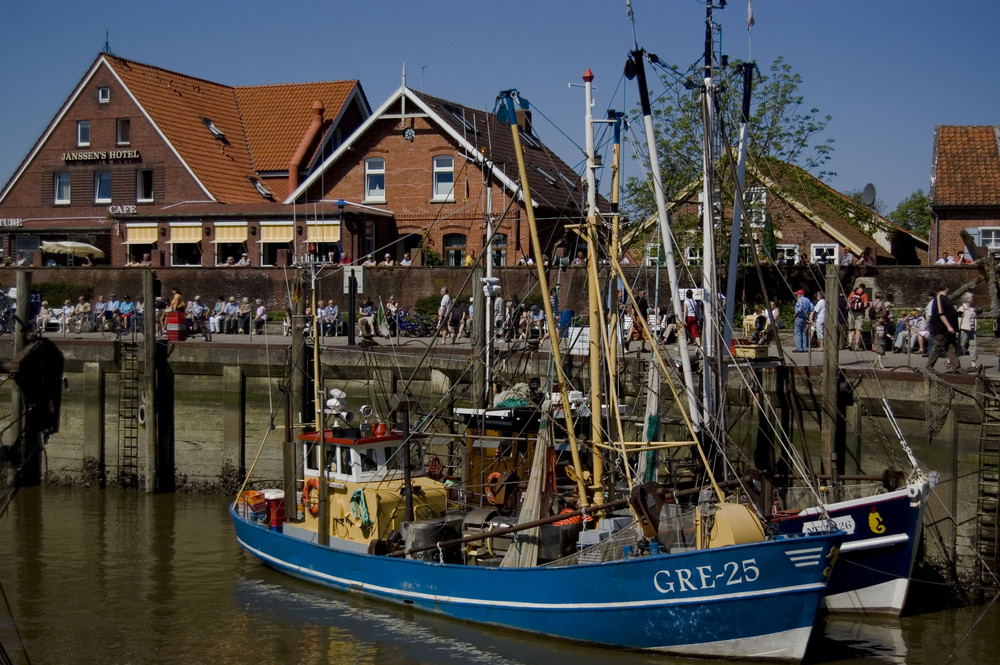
<point x="261" y="189"/>
<point x="216" y="132"/>
<point x="103" y="95"/>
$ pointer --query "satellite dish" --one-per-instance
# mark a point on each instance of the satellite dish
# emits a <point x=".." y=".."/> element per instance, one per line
<point x="868" y="196"/>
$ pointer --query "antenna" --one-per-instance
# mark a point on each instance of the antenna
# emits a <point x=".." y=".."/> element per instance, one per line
<point x="868" y="196"/>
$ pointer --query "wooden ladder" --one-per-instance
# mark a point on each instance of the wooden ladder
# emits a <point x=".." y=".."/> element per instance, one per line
<point x="987" y="541"/>
<point x="128" y="413"/>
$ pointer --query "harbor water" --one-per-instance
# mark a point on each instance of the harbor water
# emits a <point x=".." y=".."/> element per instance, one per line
<point x="119" y="576"/>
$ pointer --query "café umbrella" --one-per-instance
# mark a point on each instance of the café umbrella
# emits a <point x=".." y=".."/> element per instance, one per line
<point x="73" y="248"/>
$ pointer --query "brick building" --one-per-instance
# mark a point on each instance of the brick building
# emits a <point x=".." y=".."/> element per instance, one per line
<point x="810" y="221"/>
<point x="439" y="169"/>
<point x="965" y="188"/>
<point x="141" y="160"/>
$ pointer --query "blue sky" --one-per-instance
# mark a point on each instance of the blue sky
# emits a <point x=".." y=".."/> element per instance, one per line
<point x="887" y="71"/>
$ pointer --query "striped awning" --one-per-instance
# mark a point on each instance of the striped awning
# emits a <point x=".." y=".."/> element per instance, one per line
<point x="324" y="233"/>
<point x="184" y="234"/>
<point x="230" y="234"/>
<point x="276" y="233"/>
<point x="140" y="235"/>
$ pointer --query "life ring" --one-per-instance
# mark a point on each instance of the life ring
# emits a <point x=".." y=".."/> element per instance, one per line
<point x="310" y="496"/>
<point x="435" y="467"/>
<point x="492" y="486"/>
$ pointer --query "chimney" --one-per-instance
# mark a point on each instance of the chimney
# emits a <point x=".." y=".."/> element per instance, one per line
<point x="300" y="153"/>
<point x="523" y="120"/>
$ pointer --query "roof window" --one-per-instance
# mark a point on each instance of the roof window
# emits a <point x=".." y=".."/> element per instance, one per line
<point x="261" y="189"/>
<point x="548" y="178"/>
<point x="569" y="182"/>
<point x="459" y="114"/>
<point x="216" y="132"/>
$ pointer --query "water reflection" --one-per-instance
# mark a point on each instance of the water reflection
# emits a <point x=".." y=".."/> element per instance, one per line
<point x="121" y="577"/>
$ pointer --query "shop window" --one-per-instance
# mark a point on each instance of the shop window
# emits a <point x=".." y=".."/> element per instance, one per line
<point x="144" y="186"/>
<point x="375" y="180"/>
<point x="62" y="189"/>
<point x="444" y="178"/>
<point x="102" y="187"/>
<point x="82" y="133"/>
<point x="454" y="249"/>
<point x="123" y="131"/>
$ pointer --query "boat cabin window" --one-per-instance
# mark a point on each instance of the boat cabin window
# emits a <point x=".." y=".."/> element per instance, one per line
<point x="368" y="460"/>
<point x="392" y="461"/>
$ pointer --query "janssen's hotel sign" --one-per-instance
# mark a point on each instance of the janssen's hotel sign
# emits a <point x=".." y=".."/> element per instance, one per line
<point x="101" y="156"/>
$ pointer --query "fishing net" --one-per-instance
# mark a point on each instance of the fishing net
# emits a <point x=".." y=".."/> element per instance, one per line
<point x="939" y="397"/>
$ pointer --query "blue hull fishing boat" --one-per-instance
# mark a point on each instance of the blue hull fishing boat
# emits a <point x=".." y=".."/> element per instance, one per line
<point x="607" y="569"/>
<point x="880" y="546"/>
<point x="745" y="601"/>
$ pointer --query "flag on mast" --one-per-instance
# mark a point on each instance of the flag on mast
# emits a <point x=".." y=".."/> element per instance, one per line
<point x="749" y="15"/>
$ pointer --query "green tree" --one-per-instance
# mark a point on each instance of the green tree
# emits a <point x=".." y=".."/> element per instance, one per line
<point x="914" y="213"/>
<point x="780" y="127"/>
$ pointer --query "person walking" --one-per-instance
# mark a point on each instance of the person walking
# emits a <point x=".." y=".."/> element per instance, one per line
<point x="967" y="326"/>
<point x="943" y="324"/>
<point x="857" y="305"/>
<point x="803" y="312"/>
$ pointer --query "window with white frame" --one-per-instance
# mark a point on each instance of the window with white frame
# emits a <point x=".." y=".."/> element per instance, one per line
<point x="103" y="95"/>
<point x="444" y="178"/>
<point x="102" y="187"/>
<point x="825" y="253"/>
<point x="756" y="206"/>
<point x="375" y="180"/>
<point x="454" y="249"/>
<point x="144" y="186"/>
<point x="989" y="237"/>
<point x="62" y="190"/>
<point x="123" y="131"/>
<point x="82" y="133"/>
<point x="787" y="254"/>
<point x="498" y="249"/>
<point x="692" y="256"/>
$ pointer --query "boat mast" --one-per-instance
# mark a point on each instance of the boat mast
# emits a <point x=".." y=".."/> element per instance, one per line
<point x="636" y="68"/>
<point x="506" y="114"/>
<point x="593" y="296"/>
<point x="711" y="385"/>
<point x="734" y="242"/>
<point x="323" y="527"/>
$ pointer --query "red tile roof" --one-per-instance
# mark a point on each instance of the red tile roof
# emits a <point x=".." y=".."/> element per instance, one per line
<point x="276" y="117"/>
<point x="263" y="125"/>
<point x="966" y="165"/>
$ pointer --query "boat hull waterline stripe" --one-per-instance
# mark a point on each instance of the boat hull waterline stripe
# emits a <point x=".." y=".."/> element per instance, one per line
<point x="392" y="591"/>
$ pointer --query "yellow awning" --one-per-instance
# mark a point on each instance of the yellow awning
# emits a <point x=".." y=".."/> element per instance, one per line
<point x="185" y="234"/>
<point x="140" y="235"/>
<point x="233" y="234"/>
<point x="276" y="233"/>
<point x="324" y="233"/>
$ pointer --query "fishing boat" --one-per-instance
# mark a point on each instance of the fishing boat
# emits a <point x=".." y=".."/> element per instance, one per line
<point x="883" y="529"/>
<point x="600" y="571"/>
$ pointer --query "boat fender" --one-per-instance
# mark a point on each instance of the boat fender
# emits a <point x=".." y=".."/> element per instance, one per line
<point x="310" y="496"/>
